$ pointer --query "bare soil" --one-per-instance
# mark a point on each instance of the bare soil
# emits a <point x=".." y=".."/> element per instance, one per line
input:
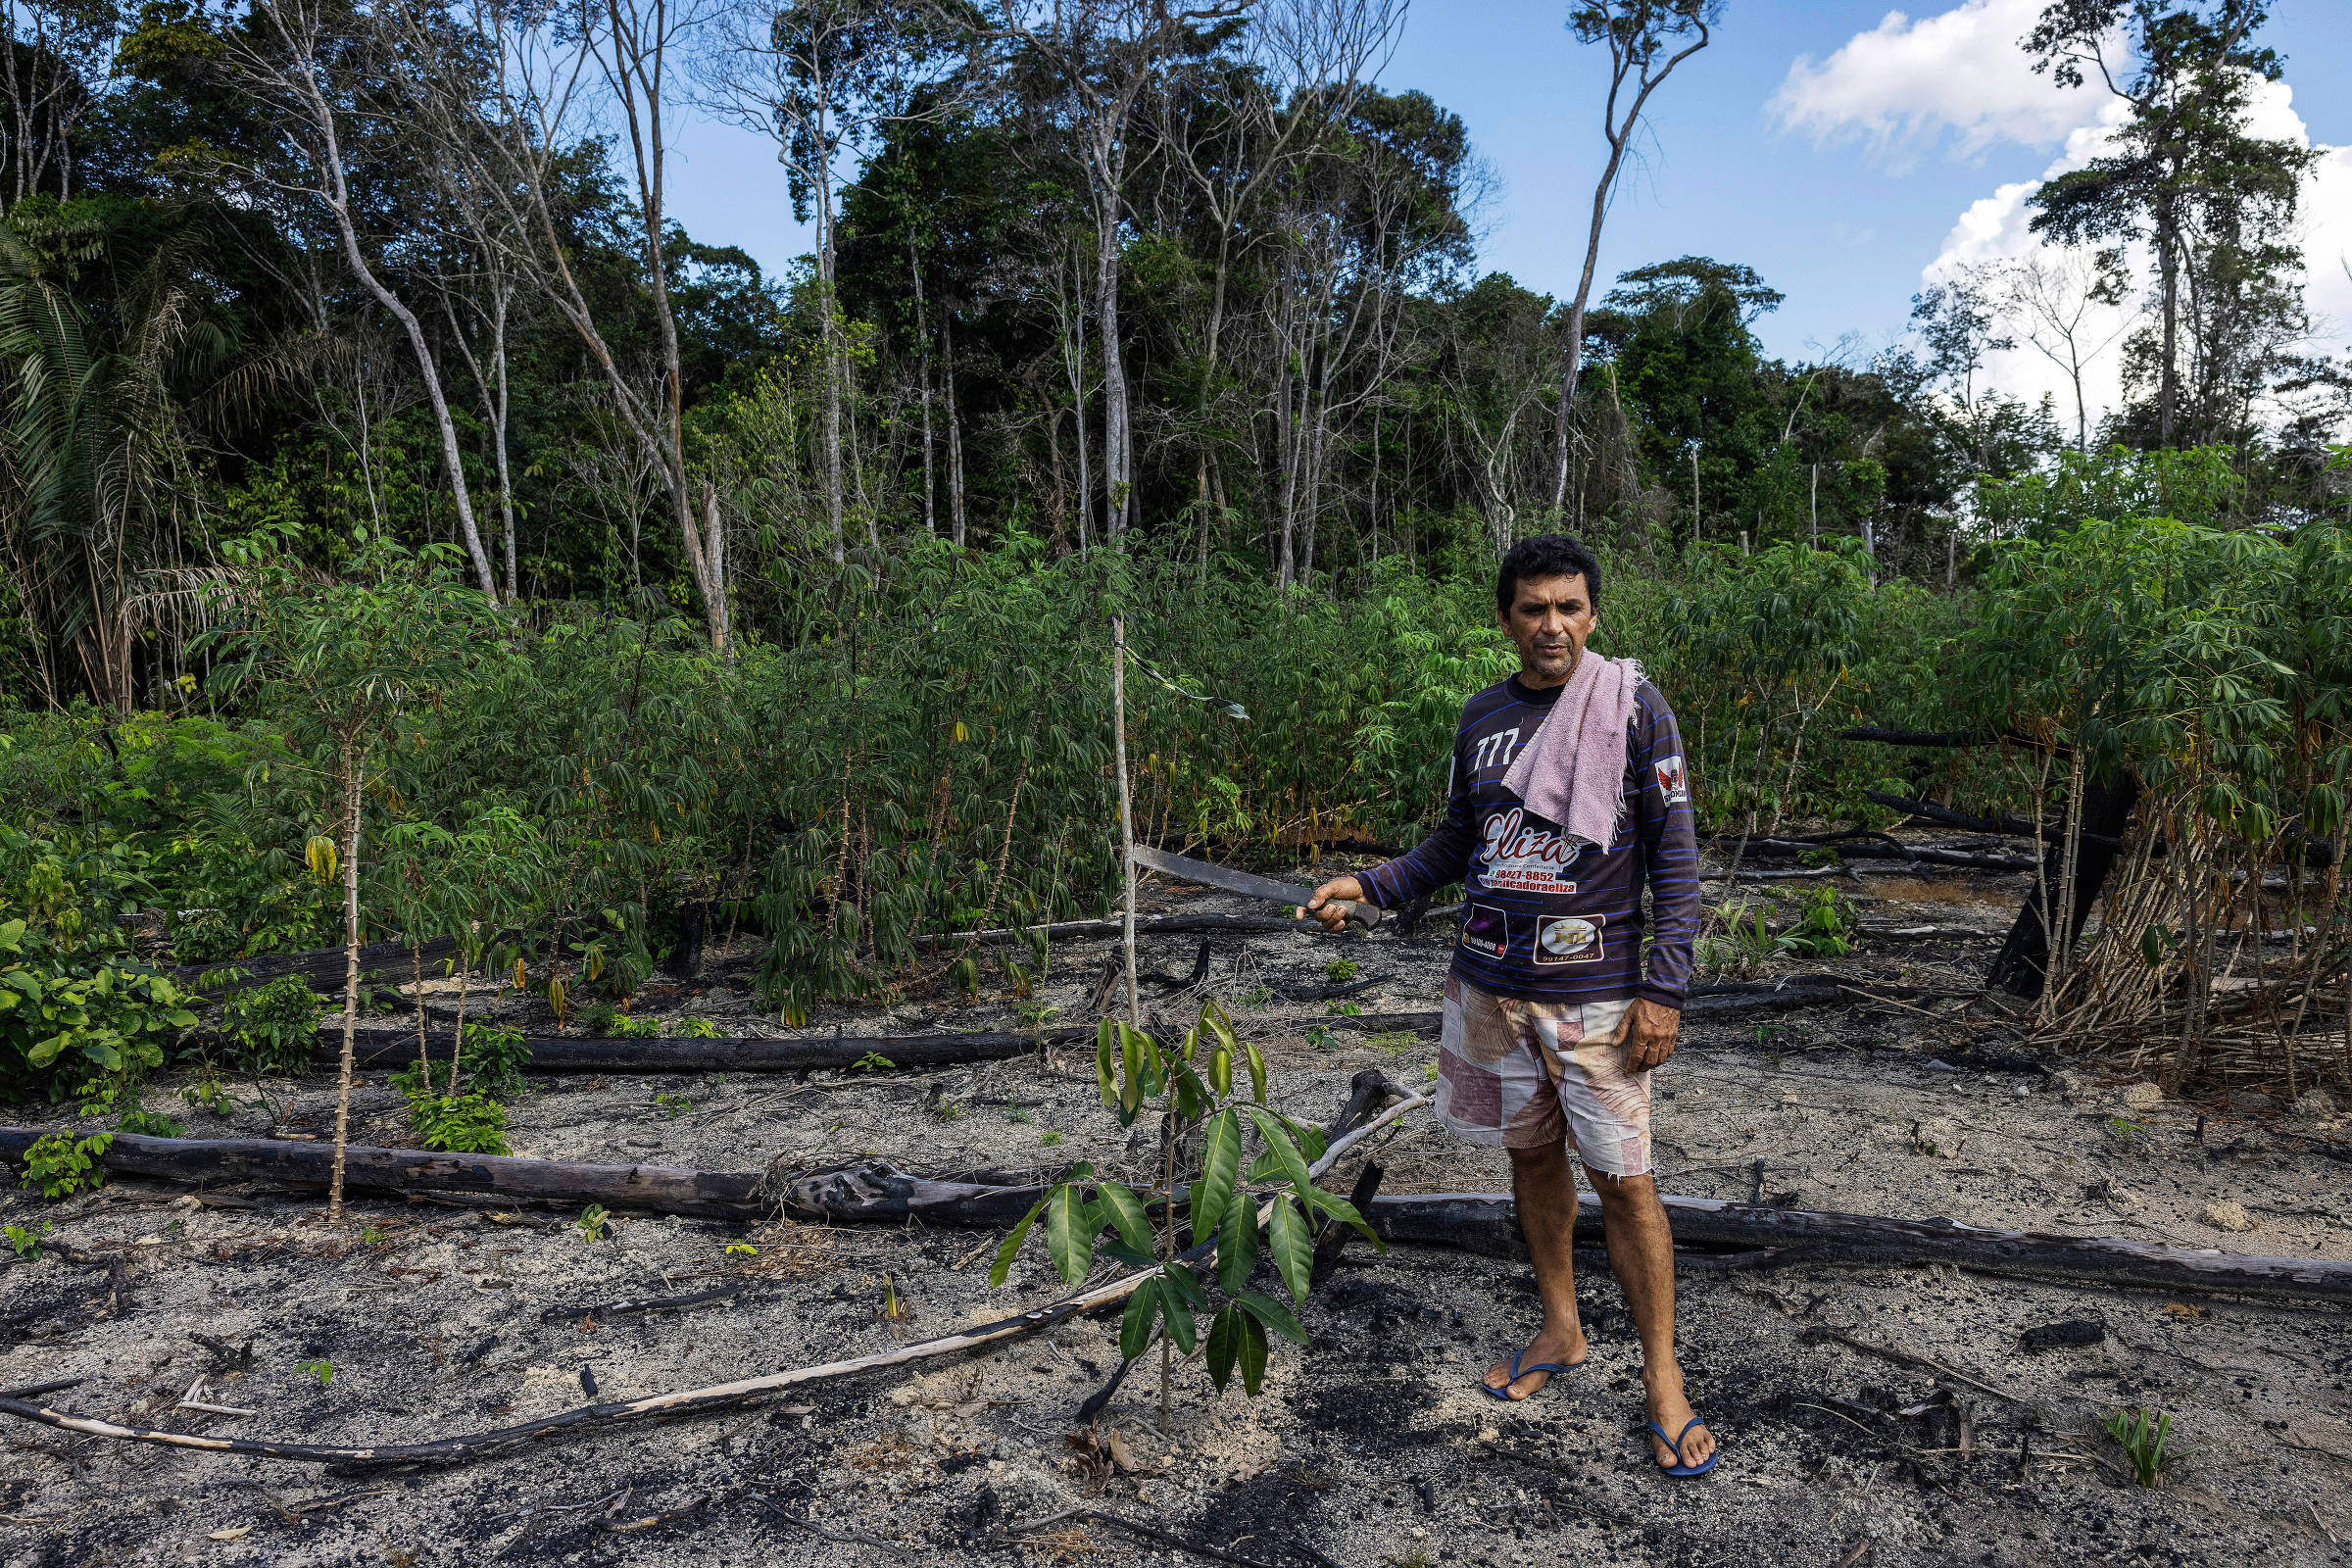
<point x="425" y="1319"/>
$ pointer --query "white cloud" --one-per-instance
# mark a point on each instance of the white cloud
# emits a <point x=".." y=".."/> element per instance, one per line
<point x="1905" y="83"/>
<point x="1995" y="228"/>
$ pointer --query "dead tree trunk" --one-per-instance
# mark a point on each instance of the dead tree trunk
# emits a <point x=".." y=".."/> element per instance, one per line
<point x="2022" y="967"/>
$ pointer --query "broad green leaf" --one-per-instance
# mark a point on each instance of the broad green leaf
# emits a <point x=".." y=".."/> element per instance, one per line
<point x="1219" y="1026"/>
<point x="1187" y="1098"/>
<point x="1346" y="1213"/>
<point x="1179" y="1315"/>
<point x="1128" y="1254"/>
<point x="1253" y="1356"/>
<point x="1135" y="1327"/>
<point x="1220" y="1159"/>
<point x="1292" y="1242"/>
<point x="1126" y="1211"/>
<point x="1106" y="1035"/>
<point x="1012" y="1243"/>
<point x="1285" y="1154"/>
<point x="1237" y="1244"/>
<point x="1069" y="1240"/>
<point x="1224" y="1344"/>
<point x="1132" y="1045"/>
<point x="1273" y="1314"/>
<point x="1185" y="1284"/>
<point x="1257" y="1072"/>
<point x="1220" y="1072"/>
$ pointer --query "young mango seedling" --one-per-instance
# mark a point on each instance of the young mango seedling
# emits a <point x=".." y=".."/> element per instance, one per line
<point x="1192" y="1084"/>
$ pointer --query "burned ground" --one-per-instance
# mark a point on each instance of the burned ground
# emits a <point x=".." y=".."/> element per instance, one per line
<point x="427" y="1318"/>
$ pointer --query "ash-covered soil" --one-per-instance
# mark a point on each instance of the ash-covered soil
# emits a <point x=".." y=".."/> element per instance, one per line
<point x="415" y="1320"/>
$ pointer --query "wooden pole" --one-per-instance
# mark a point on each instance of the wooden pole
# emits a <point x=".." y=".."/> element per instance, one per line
<point x="1119" y="751"/>
<point x="354" y="762"/>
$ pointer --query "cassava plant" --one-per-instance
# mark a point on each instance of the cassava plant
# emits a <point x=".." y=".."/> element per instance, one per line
<point x="347" y="667"/>
<point x="1223" y="1205"/>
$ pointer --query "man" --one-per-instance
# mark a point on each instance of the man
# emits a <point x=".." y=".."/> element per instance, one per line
<point x="1568" y="794"/>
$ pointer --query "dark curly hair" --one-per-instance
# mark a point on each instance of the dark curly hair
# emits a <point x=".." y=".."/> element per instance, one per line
<point x="1546" y="555"/>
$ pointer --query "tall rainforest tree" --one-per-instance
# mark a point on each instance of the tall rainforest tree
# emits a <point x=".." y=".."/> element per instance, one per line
<point x="57" y="61"/>
<point x="1106" y="54"/>
<point x="321" y="69"/>
<point x="822" y="78"/>
<point x="502" y="92"/>
<point x="1235" y="120"/>
<point x="1645" y="39"/>
<point x="2215" y="203"/>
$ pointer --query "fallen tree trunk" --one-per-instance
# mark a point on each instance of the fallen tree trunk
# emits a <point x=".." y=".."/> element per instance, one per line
<point x="1907" y="853"/>
<point x="1157" y="925"/>
<point x="323" y="968"/>
<point x="384" y="1048"/>
<point x="1482" y="1222"/>
<point x="1488" y="1223"/>
<point x="656" y="1188"/>
<point x="1954" y="739"/>
<point x="2016" y="827"/>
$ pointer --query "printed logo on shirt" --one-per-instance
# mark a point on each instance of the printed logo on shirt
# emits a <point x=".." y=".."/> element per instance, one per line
<point x="1673" y="783"/>
<point x="1486" y="931"/>
<point x="1520" y="859"/>
<point x="1494" y="749"/>
<point x="1569" y="939"/>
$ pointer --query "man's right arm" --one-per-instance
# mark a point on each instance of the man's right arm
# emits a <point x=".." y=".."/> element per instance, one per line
<point x="1442" y="858"/>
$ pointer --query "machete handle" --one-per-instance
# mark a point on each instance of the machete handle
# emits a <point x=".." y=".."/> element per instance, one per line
<point x="1364" y="916"/>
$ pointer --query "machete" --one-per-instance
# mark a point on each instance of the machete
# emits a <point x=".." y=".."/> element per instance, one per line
<point x="1249" y="886"/>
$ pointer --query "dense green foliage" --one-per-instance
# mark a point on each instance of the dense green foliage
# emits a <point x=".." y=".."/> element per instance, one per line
<point x="410" y="532"/>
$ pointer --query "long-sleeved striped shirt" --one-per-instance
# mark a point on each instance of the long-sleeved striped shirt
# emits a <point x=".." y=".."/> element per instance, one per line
<point x="1545" y="920"/>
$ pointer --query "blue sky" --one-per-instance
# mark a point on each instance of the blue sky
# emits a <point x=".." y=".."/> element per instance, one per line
<point x="1840" y="182"/>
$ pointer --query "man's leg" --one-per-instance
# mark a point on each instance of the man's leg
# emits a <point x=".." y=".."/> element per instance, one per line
<point x="1641" y="1256"/>
<point x="1545" y="1185"/>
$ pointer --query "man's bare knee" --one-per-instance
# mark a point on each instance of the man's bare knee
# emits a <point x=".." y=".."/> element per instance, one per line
<point x="1622" y="1193"/>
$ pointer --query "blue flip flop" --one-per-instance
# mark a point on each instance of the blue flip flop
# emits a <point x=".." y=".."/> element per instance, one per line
<point x="1676" y="1444"/>
<point x="1555" y="1368"/>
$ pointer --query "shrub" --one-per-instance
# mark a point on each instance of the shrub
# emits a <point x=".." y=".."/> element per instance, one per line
<point x="494" y="1058"/>
<point x="67" y="1011"/>
<point x="61" y="1166"/>
<point x="469" y="1124"/>
<point x="272" y="1028"/>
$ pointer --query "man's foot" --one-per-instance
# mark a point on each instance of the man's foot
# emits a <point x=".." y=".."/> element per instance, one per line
<point x="1669" y="1409"/>
<point x="1566" y="1346"/>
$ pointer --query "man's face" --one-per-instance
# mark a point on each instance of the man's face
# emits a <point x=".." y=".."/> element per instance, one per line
<point x="1548" y="621"/>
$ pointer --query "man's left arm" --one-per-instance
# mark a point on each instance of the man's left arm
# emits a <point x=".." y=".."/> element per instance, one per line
<point x="1667" y="834"/>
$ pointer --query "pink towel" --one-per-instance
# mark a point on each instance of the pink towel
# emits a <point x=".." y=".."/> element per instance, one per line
<point x="1572" y="772"/>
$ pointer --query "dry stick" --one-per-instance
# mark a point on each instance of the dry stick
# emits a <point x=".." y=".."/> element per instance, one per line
<point x="1135" y="1009"/>
<point x="684" y="1403"/>
<point x="1819" y="1333"/>
<point x="1118" y="734"/>
<point x="353" y="771"/>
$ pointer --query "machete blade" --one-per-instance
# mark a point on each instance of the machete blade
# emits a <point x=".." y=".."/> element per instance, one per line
<point x="1246" y="883"/>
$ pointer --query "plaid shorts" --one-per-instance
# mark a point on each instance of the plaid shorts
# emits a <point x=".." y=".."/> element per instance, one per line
<point x="1528" y="1074"/>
